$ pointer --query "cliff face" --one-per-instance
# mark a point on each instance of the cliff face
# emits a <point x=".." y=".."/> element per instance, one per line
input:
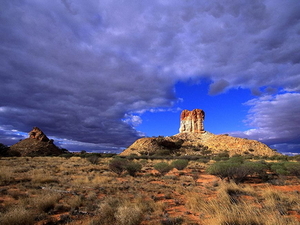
<point x="192" y="121"/>
<point x="38" y="144"/>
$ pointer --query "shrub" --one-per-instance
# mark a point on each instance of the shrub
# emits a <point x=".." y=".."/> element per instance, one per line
<point x="3" y="150"/>
<point x="118" y="165"/>
<point x="94" y="159"/>
<point x="129" y="215"/>
<point x="293" y="168"/>
<point x="133" y="167"/>
<point x="163" y="167"/>
<point x="114" y="210"/>
<point x="221" y="156"/>
<point x="279" y="168"/>
<point x="106" y="215"/>
<point x="180" y="164"/>
<point x="46" y="202"/>
<point x="237" y="171"/>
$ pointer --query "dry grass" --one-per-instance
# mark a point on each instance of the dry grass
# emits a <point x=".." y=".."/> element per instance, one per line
<point x="56" y="190"/>
<point x="236" y="204"/>
<point x="17" y="215"/>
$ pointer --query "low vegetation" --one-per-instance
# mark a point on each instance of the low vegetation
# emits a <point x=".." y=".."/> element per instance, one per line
<point x="95" y="189"/>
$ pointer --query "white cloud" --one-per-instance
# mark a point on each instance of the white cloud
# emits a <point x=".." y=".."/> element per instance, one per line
<point x="275" y="120"/>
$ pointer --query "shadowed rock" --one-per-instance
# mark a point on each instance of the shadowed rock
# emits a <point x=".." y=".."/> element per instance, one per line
<point x="38" y="144"/>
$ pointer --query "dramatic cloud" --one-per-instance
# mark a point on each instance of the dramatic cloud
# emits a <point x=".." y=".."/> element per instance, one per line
<point x="276" y="121"/>
<point x="77" y="69"/>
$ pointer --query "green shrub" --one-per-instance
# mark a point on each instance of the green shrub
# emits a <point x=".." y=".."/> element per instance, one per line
<point x="163" y="167"/>
<point x="180" y="164"/>
<point x="162" y="152"/>
<point x="94" y="159"/>
<point x="279" y="168"/>
<point x="236" y="170"/>
<point x="118" y="165"/>
<point x="293" y="168"/>
<point x="133" y="167"/>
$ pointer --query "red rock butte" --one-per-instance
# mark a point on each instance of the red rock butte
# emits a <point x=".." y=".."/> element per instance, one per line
<point x="192" y="121"/>
<point x="193" y="140"/>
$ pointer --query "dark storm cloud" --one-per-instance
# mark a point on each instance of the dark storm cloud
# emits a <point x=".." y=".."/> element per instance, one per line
<point x="76" y="68"/>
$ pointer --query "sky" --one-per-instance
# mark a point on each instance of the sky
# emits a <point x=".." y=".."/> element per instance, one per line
<point x="97" y="75"/>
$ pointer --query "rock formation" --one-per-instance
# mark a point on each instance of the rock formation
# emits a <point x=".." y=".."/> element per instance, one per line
<point x="192" y="121"/>
<point x="193" y="140"/>
<point x="37" y="134"/>
<point x="38" y="144"/>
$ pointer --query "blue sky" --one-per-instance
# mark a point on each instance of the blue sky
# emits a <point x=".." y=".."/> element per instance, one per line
<point x="98" y="75"/>
<point x="224" y="112"/>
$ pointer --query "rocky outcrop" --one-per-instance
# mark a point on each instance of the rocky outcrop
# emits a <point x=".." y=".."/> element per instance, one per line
<point x="37" y="134"/>
<point x="190" y="143"/>
<point x="193" y="140"/>
<point x="38" y="144"/>
<point x="192" y="121"/>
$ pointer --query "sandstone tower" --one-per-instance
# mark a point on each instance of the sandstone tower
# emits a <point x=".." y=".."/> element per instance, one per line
<point x="192" y="121"/>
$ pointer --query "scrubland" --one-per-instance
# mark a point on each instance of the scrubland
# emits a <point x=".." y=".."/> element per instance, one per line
<point x="75" y="190"/>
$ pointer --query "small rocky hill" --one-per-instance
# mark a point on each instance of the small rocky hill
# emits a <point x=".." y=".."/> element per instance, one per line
<point x="37" y="144"/>
<point x="193" y="140"/>
<point x="198" y="144"/>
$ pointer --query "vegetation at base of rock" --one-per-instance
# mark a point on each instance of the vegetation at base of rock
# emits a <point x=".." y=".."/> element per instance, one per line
<point x="94" y="159"/>
<point x="133" y="167"/>
<point x="163" y="167"/>
<point x="286" y="168"/>
<point x="237" y="170"/>
<point x="118" y="165"/>
<point x="3" y="150"/>
<point x="180" y="164"/>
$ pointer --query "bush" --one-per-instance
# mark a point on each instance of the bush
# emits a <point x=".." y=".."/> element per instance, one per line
<point x="118" y="165"/>
<point x="163" y="167"/>
<point x="293" y="168"/>
<point x="180" y="164"/>
<point x="279" y="168"/>
<point x="3" y="150"/>
<point x="133" y="167"/>
<point x="94" y="159"/>
<point x="129" y="215"/>
<point x="237" y="171"/>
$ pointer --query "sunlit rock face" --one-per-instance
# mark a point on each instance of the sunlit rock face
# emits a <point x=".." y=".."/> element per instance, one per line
<point x="36" y="133"/>
<point x="192" y="121"/>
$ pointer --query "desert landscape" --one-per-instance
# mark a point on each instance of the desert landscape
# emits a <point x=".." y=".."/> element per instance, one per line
<point x="101" y="189"/>
<point x="194" y="177"/>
